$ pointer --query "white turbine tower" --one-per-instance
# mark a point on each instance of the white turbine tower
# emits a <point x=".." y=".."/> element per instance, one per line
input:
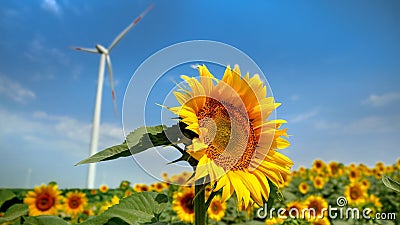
<point x="104" y="58"/>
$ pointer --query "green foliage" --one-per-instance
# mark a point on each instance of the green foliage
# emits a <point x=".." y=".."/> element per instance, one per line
<point x="44" y="220"/>
<point x="139" y="208"/>
<point x="6" y="195"/>
<point x="137" y="141"/>
<point x="14" y="212"/>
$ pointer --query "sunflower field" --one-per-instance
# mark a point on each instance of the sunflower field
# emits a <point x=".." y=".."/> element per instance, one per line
<point x="319" y="187"/>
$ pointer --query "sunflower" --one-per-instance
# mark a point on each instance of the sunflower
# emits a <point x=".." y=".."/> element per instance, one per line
<point x="303" y="188"/>
<point x="354" y="175"/>
<point x="44" y="200"/>
<point x="334" y="169"/>
<point x="318" y="166"/>
<point x="375" y="200"/>
<point x="124" y="185"/>
<point x="380" y="167"/>
<point x="355" y="193"/>
<point x="390" y="169"/>
<point x="128" y="192"/>
<point x="93" y="191"/>
<point x="236" y="144"/>
<point x="182" y="204"/>
<point x="365" y="183"/>
<point x="315" y="207"/>
<point x="398" y="163"/>
<point x="136" y="187"/>
<point x="75" y="202"/>
<point x="216" y="210"/>
<point x="294" y="209"/>
<point x="159" y="186"/>
<point x="182" y="179"/>
<point x="114" y="201"/>
<point x="164" y="175"/>
<point x="103" y="188"/>
<point x="144" y="187"/>
<point x="141" y="187"/>
<point x="303" y="172"/>
<point x="378" y="175"/>
<point x="318" y="182"/>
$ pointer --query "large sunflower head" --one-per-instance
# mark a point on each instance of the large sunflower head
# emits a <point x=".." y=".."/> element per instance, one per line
<point x="44" y="200"/>
<point x="355" y="193"/>
<point x="182" y="204"/>
<point x="236" y="144"/>
<point x="216" y="210"/>
<point x="75" y="202"/>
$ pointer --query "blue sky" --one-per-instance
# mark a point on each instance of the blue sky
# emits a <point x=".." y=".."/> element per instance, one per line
<point x="333" y="65"/>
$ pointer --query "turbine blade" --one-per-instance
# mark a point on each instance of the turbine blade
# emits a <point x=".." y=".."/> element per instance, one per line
<point x="122" y="34"/>
<point x="90" y="50"/>
<point x="110" y="74"/>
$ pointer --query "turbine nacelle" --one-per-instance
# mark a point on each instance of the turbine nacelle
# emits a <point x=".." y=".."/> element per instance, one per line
<point x="101" y="49"/>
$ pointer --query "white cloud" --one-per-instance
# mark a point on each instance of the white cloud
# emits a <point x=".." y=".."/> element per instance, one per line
<point x="38" y="51"/>
<point x="324" y="125"/>
<point x="51" y="6"/>
<point x="15" y="90"/>
<point x="374" y="124"/>
<point x="304" y="116"/>
<point x="382" y="100"/>
<point x="51" y="132"/>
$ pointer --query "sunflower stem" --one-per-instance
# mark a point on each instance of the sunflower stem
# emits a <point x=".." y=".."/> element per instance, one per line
<point x="199" y="203"/>
<point x="212" y="195"/>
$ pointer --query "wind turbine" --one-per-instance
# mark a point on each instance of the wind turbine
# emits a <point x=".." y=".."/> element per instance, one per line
<point x="104" y="58"/>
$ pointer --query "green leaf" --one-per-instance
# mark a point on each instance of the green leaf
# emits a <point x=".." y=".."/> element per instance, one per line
<point x="14" y="212"/>
<point x="6" y="195"/>
<point x="114" y="152"/>
<point x="390" y="183"/>
<point x="274" y="192"/>
<point x="137" y="208"/>
<point x="137" y="141"/>
<point x="44" y="220"/>
<point x="289" y="196"/>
